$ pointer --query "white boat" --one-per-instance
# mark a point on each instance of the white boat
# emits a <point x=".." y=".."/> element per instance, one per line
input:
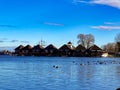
<point x="105" y="55"/>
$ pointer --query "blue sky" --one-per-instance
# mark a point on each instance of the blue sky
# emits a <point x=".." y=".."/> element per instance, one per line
<point x="57" y="21"/>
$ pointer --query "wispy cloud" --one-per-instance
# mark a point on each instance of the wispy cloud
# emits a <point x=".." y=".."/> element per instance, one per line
<point x="106" y="27"/>
<point x="112" y="23"/>
<point x="79" y="1"/>
<point x="53" y="24"/>
<point x="3" y="38"/>
<point x="8" y="26"/>
<point x="112" y="3"/>
<point x="24" y="41"/>
<point x="2" y="41"/>
<point x="14" y="41"/>
<point x="109" y="23"/>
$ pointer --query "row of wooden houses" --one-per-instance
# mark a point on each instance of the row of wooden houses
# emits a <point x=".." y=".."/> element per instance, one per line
<point x="65" y="50"/>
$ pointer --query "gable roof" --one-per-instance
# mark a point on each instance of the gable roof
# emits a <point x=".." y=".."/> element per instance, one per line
<point x="38" y="47"/>
<point x="66" y="47"/>
<point x="49" y="47"/>
<point x="19" y="47"/>
<point x="80" y="47"/>
<point x="28" y="47"/>
<point x="95" y="47"/>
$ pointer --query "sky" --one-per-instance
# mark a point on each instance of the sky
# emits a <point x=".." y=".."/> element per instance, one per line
<point x="57" y="21"/>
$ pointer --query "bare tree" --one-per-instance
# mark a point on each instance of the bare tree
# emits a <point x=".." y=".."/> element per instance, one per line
<point x="81" y="40"/>
<point x="86" y="40"/>
<point x="110" y="47"/>
<point x="89" y="40"/>
<point x="117" y="38"/>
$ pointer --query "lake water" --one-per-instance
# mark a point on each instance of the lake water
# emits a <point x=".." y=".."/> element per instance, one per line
<point x="39" y="73"/>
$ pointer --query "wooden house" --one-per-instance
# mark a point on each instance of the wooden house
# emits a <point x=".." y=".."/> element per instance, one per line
<point x="67" y="50"/>
<point x="94" y="51"/>
<point x="18" y="50"/>
<point x="38" y="50"/>
<point x="80" y="50"/>
<point x="51" y="50"/>
<point x="27" y="50"/>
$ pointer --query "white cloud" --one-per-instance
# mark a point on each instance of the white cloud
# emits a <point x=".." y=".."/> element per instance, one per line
<point x="106" y="27"/>
<point x="53" y="24"/>
<point x="79" y="1"/>
<point x="109" y="23"/>
<point x="112" y="3"/>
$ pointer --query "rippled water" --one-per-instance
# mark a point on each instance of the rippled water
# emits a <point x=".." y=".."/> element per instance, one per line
<point x="38" y="73"/>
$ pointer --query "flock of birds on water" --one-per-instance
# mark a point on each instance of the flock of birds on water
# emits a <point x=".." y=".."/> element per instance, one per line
<point x="92" y="63"/>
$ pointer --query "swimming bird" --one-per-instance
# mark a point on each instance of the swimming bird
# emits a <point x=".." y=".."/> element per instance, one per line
<point x="55" y="66"/>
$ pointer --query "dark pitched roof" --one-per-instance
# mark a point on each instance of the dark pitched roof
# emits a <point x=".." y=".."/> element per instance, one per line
<point x="49" y="47"/>
<point x="80" y="47"/>
<point x="95" y="47"/>
<point x="28" y="47"/>
<point x="66" y="47"/>
<point x="38" y="47"/>
<point x="19" y="47"/>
